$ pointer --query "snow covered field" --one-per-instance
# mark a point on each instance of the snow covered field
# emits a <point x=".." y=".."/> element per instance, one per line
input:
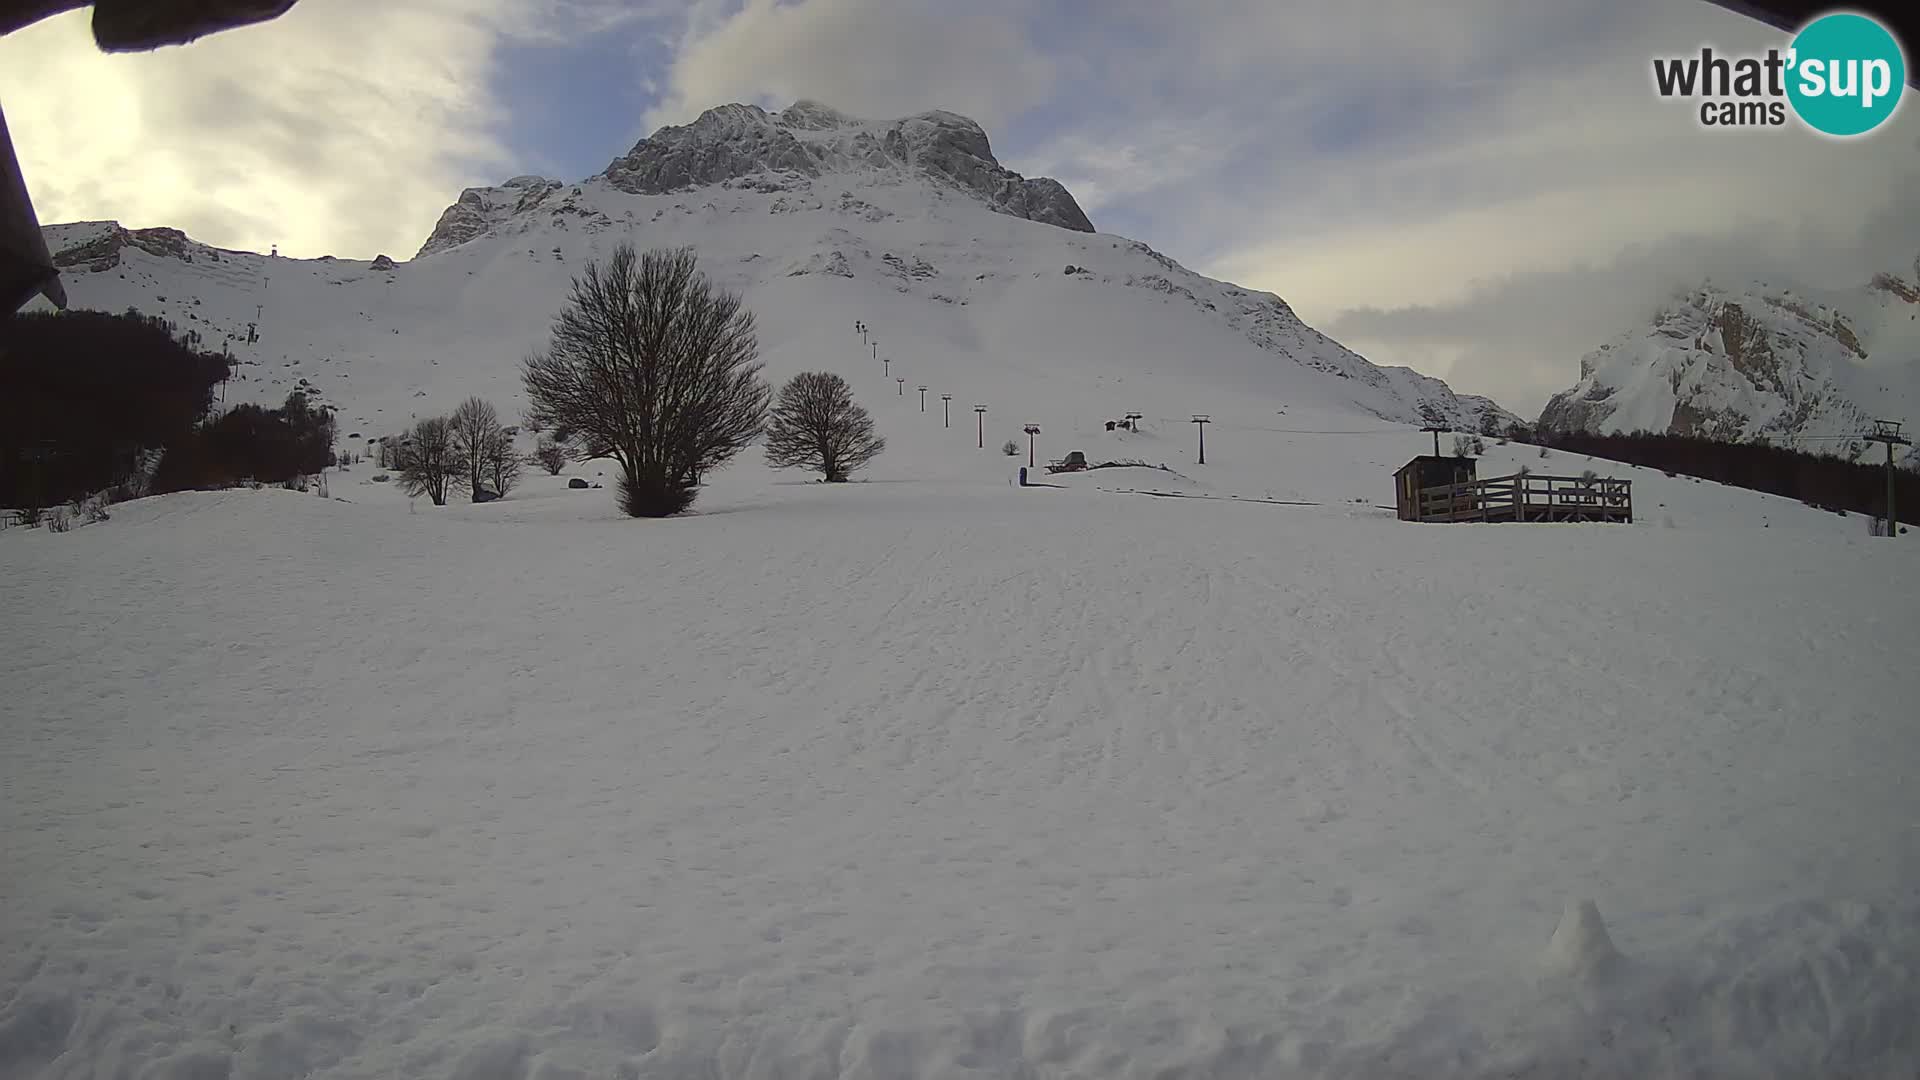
<point x="1212" y="770"/>
<point x="944" y="777"/>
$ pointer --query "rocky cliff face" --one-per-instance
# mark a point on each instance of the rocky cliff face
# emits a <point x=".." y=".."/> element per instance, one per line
<point x="479" y="209"/>
<point x="101" y="250"/>
<point x="738" y="142"/>
<point x="1760" y="361"/>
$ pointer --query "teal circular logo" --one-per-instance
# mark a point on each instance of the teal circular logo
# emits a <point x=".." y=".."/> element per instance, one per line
<point x="1845" y="74"/>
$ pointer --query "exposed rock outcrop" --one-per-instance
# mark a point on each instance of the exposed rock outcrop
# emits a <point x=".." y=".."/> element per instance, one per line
<point x="103" y="252"/>
<point x="480" y="209"/>
<point x="737" y="142"/>
<point x="1756" y="362"/>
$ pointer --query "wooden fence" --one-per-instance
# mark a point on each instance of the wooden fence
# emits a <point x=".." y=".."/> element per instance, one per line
<point x="1528" y="497"/>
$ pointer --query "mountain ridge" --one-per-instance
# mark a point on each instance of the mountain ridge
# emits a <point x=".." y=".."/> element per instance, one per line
<point x="888" y="212"/>
<point x="1760" y="360"/>
<point x="785" y="152"/>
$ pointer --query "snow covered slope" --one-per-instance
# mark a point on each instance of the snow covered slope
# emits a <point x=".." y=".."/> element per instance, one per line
<point x="820" y="220"/>
<point x="1761" y="361"/>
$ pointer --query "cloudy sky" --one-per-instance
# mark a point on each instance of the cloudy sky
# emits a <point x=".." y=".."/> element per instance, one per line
<point x="1482" y="189"/>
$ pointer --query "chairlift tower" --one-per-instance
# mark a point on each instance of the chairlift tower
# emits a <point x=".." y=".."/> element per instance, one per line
<point x="1888" y="431"/>
<point x="1201" y="420"/>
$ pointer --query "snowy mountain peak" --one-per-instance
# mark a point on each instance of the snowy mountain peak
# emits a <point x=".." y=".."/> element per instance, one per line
<point x="808" y="115"/>
<point x="810" y="140"/>
<point x="909" y="223"/>
<point x="1757" y="361"/>
<point x="479" y="210"/>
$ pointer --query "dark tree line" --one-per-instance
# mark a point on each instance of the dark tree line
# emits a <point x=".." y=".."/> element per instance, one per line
<point x="248" y="442"/>
<point x="85" y="396"/>
<point x="1828" y="482"/>
<point x="84" y="393"/>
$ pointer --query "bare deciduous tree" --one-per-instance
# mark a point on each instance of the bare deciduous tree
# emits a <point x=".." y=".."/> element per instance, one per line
<point x="476" y="428"/>
<point x="817" y="425"/>
<point x="653" y="366"/>
<point x="501" y="466"/>
<point x="551" y="455"/>
<point x="428" y="462"/>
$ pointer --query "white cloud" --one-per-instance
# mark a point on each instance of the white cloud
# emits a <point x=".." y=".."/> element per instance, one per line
<point x="876" y="58"/>
<point x="1154" y="160"/>
<point x="1482" y="193"/>
<point x="341" y="128"/>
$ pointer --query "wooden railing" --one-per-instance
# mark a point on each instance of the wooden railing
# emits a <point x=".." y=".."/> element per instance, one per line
<point x="1528" y="497"/>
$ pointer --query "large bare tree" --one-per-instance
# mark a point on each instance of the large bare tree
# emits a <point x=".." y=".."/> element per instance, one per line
<point x="817" y="425"/>
<point x="476" y="428"/>
<point x="653" y="366"/>
<point x="428" y="461"/>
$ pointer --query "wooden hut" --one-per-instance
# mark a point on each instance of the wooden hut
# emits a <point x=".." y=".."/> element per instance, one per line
<point x="1423" y="472"/>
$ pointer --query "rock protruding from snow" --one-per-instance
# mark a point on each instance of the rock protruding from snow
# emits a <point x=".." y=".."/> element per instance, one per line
<point x="479" y="210"/>
<point x="381" y="262"/>
<point x="101" y="251"/>
<point x="726" y="143"/>
<point x="735" y="142"/>
<point x="1757" y="362"/>
<point x="1580" y="946"/>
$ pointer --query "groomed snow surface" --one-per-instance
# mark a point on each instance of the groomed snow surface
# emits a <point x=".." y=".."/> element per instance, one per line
<point x="936" y="776"/>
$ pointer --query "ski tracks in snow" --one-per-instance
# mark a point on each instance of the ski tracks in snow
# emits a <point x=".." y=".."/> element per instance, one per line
<point x="879" y="787"/>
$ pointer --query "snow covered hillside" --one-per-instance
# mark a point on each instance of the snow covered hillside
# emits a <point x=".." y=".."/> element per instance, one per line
<point x="819" y="220"/>
<point x="1163" y="769"/>
<point x="1763" y="361"/>
<point x="938" y="776"/>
